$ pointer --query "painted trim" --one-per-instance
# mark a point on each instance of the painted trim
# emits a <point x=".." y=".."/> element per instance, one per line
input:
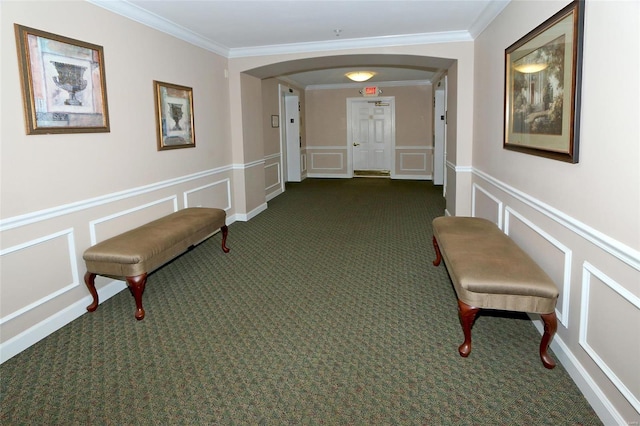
<point x="209" y="185"/>
<point x="245" y="217"/>
<point x="93" y="223"/>
<point x="588" y="271"/>
<point x="361" y="85"/>
<point x="40" y="215"/>
<point x="499" y="203"/>
<point x="75" y="281"/>
<point x="563" y="313"/>
<point x="617" y="249"/>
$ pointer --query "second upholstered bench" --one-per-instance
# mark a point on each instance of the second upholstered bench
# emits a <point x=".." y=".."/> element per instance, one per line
<point x="136" y="253"/>
<point x="489" y="271"/>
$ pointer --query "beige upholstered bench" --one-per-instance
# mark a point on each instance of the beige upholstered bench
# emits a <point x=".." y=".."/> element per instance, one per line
<point x="137" y="252"/>
<point x="489" y="271"/>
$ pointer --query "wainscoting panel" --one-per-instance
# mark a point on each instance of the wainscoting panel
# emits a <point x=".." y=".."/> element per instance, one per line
<point x="486" y="205"/>
<point x="41" y="254"/>
<point x="413" y="162"/>
<point x="327" y="161"/>
<point x="55" y="272"/>
<point x="206" y="195"/>
<point x="607" y="333"/>
<point x="122" y="221"/>
<point x="552" y="256"/>
<point x="598" y="338"/>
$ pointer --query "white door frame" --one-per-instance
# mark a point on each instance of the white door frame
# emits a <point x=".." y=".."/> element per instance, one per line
<point x="284" y="91"/>
<point x="439" y="135"/>
<point x="391" y="100"/>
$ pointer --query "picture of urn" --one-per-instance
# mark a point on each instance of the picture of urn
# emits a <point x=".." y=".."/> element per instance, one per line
<point x="176" y="114"/>
<point x="70" y="79"/>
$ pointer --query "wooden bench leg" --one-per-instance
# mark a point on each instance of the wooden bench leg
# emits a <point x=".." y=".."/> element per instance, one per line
<point x="467" y="316"/>
<point x="550" y="327"/>
<point x="438" y="254"/>
<point x="90" y="282"/>
<point x="136" y="285"/>
<point x="225" y="232"/>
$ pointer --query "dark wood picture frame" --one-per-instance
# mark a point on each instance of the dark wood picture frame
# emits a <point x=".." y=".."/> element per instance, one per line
<point x="174" y="116"/>
<point x="543" y="72"/>
<point x="63" y="83"/>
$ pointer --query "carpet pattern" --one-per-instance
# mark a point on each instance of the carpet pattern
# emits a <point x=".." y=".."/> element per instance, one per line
<point x="327" y="311"/>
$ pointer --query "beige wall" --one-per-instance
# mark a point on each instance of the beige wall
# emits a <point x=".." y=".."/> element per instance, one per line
<point x="327" y="126"/>
<point x="579" y="221"/>
<point x="62" y="193"/>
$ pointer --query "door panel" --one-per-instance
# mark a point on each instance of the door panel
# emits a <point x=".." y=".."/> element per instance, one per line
<point x="371" y="128"/>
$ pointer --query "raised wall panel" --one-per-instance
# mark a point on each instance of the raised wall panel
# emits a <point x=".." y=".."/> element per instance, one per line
<point x="486" y="205"/>
<point x="327" y="161"/>
<point x="49" y="263"/>
<point x="272" y="176"/>
<point x="117" y="223"/>
<point x="413" y="162"/>
<point x="552" y="256"/>
<point x="215" y="194"/>
<point x="609" y="330"/>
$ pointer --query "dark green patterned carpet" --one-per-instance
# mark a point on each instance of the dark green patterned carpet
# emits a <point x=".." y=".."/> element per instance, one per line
<point x="326" y="311"/>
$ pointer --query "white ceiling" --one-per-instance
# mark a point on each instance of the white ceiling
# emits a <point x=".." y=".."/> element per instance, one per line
<point x="239" y="28"/>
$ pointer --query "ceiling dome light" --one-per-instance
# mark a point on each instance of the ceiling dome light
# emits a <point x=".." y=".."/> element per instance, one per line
<point x="360" y="76"/>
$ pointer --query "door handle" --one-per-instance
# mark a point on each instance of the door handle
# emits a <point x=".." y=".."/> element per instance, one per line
<point x="356" y="144"/>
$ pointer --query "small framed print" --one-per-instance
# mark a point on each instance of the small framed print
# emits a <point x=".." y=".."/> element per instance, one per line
<point x="174" y="116"/>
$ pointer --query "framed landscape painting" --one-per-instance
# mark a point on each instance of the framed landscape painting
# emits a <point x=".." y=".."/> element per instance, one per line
<point x="63" y="83"/>
<point x="174" y="116"/>
<point x="542" y="87"/>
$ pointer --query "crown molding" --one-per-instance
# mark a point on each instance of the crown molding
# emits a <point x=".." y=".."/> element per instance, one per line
<point x="135" y="13"/>
<point x="142" y="16"/>
<point x="344" y="44"/>
<point x="493" y="9"/>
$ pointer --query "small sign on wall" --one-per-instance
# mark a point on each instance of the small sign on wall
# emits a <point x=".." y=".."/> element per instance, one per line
<point x="370" y="91"/>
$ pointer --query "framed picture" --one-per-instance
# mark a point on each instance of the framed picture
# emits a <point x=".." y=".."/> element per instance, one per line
<point x="542" y="87"/>
<point x="275" y="121"/>
<point x="174" y="116"/>
<point x="63" y="83"/>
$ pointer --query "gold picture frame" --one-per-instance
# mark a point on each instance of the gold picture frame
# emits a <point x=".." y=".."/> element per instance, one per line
<point x="174" y="116"/>
<point x="542" y="87"/>
<point x="63" y="83"/>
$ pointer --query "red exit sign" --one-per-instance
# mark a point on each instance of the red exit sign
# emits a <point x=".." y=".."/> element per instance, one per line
<point x="370" y="91"/>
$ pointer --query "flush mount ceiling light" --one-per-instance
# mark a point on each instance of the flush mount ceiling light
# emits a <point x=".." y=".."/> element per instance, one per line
<point x="360" y="76"/>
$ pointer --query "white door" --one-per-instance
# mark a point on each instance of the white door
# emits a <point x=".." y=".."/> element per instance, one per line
<point x="292" y="136"/>
<point x="439" y="137"/>
<point x="371" y="134"/>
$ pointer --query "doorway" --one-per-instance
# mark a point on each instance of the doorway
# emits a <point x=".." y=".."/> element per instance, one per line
<point x="371" y="136"/>
<point x="290" y="140"/>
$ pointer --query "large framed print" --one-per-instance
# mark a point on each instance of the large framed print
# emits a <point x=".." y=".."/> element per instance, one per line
<point x="174" y="116"/>
<point x="63" y="83"/>
<point x="542" y="87"/>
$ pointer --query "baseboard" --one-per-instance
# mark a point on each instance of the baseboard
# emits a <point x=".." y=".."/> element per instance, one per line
<point x="31" y="336"/>
<point x="245" y="217"/>
<point x="592" y="393"/>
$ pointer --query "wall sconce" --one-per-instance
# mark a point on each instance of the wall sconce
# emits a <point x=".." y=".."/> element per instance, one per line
<point x="360" y="76"/>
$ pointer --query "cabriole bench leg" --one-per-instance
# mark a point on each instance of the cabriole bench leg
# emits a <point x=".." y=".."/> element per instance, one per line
<point x="467" y="315"/>
<point x="438" y="254"/>
<point x="225" y="231"/>
<point x="136" y="285"/>
<point x="550" y="327"/>
<point x="90" y="282"/>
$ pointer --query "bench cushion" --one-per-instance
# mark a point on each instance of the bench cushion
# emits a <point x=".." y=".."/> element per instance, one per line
<point x="489" y="270"/>
<point x="150" y="246"/>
